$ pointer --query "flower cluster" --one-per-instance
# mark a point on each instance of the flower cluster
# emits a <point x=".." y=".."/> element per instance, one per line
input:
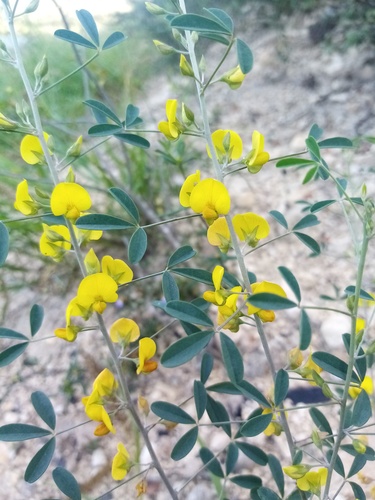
<point x="306" y="479"/>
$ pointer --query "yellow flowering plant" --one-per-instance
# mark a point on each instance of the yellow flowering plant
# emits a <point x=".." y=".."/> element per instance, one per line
<point x="216" y="323"/>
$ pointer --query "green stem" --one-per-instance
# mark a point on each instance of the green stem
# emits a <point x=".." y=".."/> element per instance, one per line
<point x="351" y="361"/>
<point x="218" y="66"/>
<point x="268" y="242"/>
<point x="28" y="217"/>
<point x="183" y="217"/>
<point x="327" y="309"/>
<point x="68" y="76"/>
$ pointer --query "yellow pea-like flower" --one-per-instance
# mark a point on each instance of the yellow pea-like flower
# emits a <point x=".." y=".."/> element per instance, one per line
<point x="55" y="241"/>
<point x="105" y="383"/>
<point x="187" y="187"/>
<point x="117" y="269"/>
<point x="147" y="349"/>
<point x="30" y="144"/>
<point x="250" y="227"/>
<point x="218" y="234"/>
<point x="210" y="198"/>
<point x="366" y="385"/>
<point x="234" y="78"/>
<point x="69" y="199"/>
<point x="257" y="156"/>
<point x="97" y="289"/>
<point x="228" y="145"/>
<point x="172" y="127"/>
<point x="120" y="463"/>
<point x="313" y="481"/>
<point x="24" y="203"/>
<point x="124" y="330"/>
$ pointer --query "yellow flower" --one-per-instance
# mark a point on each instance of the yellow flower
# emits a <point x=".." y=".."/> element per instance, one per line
<point x="257" y="156"/>
<point x="147" y="349"/>
<point x="295" y="358"/>
<point x="218" y="234"/>
<point x="367" y="385"/>
<point x="69" y="333"/>
<point x="69" y="199"/>
<point x="24" y="202"/>
<point x="210" y="198"/>
<point x="120" y="463"/>
<point x="124" y="330"/>
<point x="308" y="368"/>
<point x="171" y="128"/>
<point x="313" y="481"/>
<point x="228" y="145"/>
<point x="250" y="227"/>
<point x="296" y="471"/>
<point x="264" y="287"/>
<point x="101" y="430"/>
<point x="117" y="269"/>
<point x="234" y="78"/>
<point x="187" y="187"/>
<point x="55" y="241"/>
<point x="105" y="383"/>
<point x="273" y="427"/>
<point x="97" y="289"/>
<point x="95" y="410"/>
<point x="30" y="144"/>
<point x="216" y="297"/>
<point x="85" y="235"/>
<point x="185" y="67"/>
<point x="360" y="325"/>
<point x="228" y="309"/>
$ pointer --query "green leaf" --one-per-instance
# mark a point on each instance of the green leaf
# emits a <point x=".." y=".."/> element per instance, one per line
<point x="231" y="458"/>
<point x="336" y="142"/>
<point x="310" y="174"/>
<point x="114" y="39"/>
<point x="216" y="37"/>
<point x="226" y="388"/>
<point x="281" y="386"/>
<point x="74" y="38"/>
<point x="184" y="445"/>
<point x="171" y="412"/>
<point x="297" y="457"/>
<point x="316" y="207"/>
<point x="256" y="425"/>
<point x="211" y="462"/>
<point x="316" y="132"/>
<point x="170" y="288"/>
<point x="360" y="363"/>
<point x="267" y="494"/>
<point x="126" y="202"/>
<point x="222" y="17"/>
<point x="270" y="301"/>
<point x="251" y="392"/>
<point x="309" y="242"/>
<point x="137" y="245"/>
<point x="369" y="453"/>
<point x="194" y="22"/>
<point x="200" y="398"/>
<point x="338" y="465"/>
<point x="36" y="318"/>
<point x="182" y="254"/>
<point x="12" y="353"/>
<point x="104" y="130"/>
<point x="350" y="290"/>
<point x="40" y="462"/>
<point x="253" y="452"/>
<point x="66" y="483"/>
<point x="334" y="365"/>
<point x="307" y="221"/>
<point x="321" y="422"/>
<point x="44" y="408"/>
<point x="7" y="333"/>
<point x="131" y="115"/>
<point x="291" y="281"/>
<point x="200" y="275"/>
<point x="133" y="140"/>
<point x="4" y="243"/>
<point x="232" y="359"/>
<point x="217" y="413"/>
<point x="102" y="222"/>
<point x="313" y="148"/>
<point x="89" y="25"/>
<point x="244" y="56"/>
<point x="295" y="162"/>
<point x="21" y="432"/>
<point x="186" y="311"/>
<point x="104" y="109"/>
<point x="358" y="492"/>
<point x="304" y="331"/>
<point x="278" y="216"/>
<point x="247" y="481"/>
<point x="277" y="472"/>
<point x="361" y="410"/>
<point x="206" y="366"/>
<point x="358" y="463"/>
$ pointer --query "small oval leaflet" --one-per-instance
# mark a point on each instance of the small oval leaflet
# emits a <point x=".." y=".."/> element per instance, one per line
<point x="278" y="216"/>
<point x="281" y="386"/>
<point x="114" y="39"/>
<point x="126" y="202"/>
<point x="74" y="38"/>
<point x="232" y="359"/>
<point x="186" y="348"/>
<point x="291" y="281"/>
<point x="184" y="445"/>
<point x="36" y="318"/>
<point x="277" y="472"/>
<point x="40" y="462"/>
<point x="137" y="245"/>
<point x="200" y="398"/>
<point x="206" y="366"/>
<point x="4" y="243"/>
<point x="44" y="408"/>
<point x="253" y="452"/>
<point x="21" y="432"/>
<point x="89" y="25"/>
<point x="102" y="222"/>
<point x="7" y="333"/>
<point x="211" y="462"/>
<point x="194" y="22"/>
<point x="12" y="353"/>
<point x="231" y="458"/>
<point x="247" y="481"/>
<point x="170" y="288"/>
<point x="270" y="301"/>
<point x="66" y="483"/>
<point x="171" y="412"/>
<point x="186" y="311"/>
<point x="182" y="254"/>
<point x="244" y="56"/>
<point x="305" y="331"/>
<point x="255" y="425"/>
<point x="218" y="413"/>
